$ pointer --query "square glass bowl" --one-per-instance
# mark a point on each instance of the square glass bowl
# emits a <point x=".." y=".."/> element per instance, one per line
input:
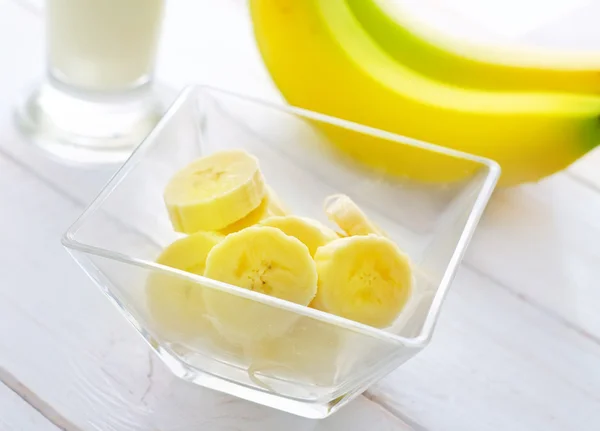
<point x="427" y="198"/>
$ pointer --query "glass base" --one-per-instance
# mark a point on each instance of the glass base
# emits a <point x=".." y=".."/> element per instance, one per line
<point x="88" y="129"/>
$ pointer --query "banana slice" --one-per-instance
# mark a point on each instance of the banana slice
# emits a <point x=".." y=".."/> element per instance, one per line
<point x="312" y="233"/>
<point x="363" y="278"/>
<point x="189" y="253"/>
<point x="214" y="191"/>
<point x="175" y="304"/>
<point x="265" y="260"/>
<point x="271" y="205"/>
<point x="349" y="217"/>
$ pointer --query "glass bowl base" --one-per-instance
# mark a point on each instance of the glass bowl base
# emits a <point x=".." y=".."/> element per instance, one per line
<point x="298" y="407"/>
<point x="96" y="129"/>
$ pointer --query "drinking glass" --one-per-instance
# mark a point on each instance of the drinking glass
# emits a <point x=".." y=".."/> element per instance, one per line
<point x="96" y="101"/>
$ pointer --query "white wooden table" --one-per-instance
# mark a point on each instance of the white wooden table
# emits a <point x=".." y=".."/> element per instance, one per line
<point x="518" y="344"/>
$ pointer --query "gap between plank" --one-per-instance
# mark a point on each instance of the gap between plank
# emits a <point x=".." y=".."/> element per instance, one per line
<point x="529" y="301"/>
<point x="395" y="413"/>
<point x="38" y="404"/>
<point x="583" y="181"/>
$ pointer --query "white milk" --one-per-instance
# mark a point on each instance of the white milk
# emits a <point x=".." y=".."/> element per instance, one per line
<point x="103" y="45"/>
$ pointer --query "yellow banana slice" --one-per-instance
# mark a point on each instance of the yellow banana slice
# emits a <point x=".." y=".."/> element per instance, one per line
<point x="342" y="210"/>
<point x="175" y="304"/>
<point x="214" y="191"/>
<point x="363" y="278"/>
<point x="312" y="233"/>
<point x="265" y="260"/>
<point x="189" y="253"/>
<point x="271" y="205"/>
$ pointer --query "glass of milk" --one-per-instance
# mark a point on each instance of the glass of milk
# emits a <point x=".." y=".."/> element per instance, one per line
<point x="97" y="100"/>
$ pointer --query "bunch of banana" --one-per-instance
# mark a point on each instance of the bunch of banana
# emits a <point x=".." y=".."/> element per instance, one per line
<point x="349" y="59"/>
<point x="360" y="275"/>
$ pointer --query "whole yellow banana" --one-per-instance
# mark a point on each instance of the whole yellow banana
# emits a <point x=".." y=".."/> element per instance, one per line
<point x="322" y="59"/>
<point x="462" y="64"/>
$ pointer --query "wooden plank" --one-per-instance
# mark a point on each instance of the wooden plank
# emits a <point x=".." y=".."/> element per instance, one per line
<point x="17" y="415"/>
<point x="496" y="363"/>
<point x="541" y="242"/>
<point x="54" y="420"/>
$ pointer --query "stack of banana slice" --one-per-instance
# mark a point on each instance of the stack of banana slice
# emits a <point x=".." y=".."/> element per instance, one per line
<point x="240" y="233"/>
